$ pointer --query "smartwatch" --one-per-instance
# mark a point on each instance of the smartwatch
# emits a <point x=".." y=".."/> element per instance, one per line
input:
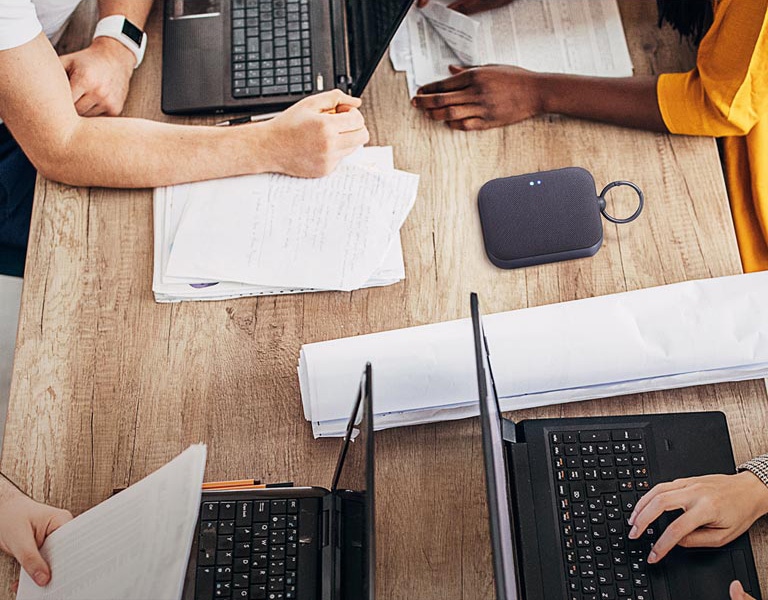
<point x="125" y="32"/>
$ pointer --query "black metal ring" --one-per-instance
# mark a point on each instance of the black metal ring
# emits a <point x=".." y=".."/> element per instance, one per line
<point x="640" y="204"/>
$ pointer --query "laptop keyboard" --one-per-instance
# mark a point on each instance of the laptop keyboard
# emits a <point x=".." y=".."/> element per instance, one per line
<point x="271" y="48"/>
<point x="248" y="550"/>
<point x="599" y="475"/>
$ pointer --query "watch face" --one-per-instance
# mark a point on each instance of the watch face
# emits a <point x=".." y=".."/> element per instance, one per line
<point x="133" y="32"/>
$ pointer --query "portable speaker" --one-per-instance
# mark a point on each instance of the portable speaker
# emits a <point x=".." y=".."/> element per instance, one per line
<point x="544" y="217"/>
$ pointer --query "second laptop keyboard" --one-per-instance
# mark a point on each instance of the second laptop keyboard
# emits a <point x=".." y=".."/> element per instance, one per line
<point x="599" y="477"/>
<point x="271" y="48"/>
<point x="247" y="550"/>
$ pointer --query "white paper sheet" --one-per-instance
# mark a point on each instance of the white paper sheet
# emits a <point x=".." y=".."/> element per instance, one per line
<point x="659" y="338"/>
<point x="132" y="546"/>
<point x="328" y="233"/>
<point x="583" y="37"/>
<point x="169" y="206"/>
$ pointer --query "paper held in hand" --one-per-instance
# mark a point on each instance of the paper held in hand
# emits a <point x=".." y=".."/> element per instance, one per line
<point x="135" y="545"/>
<point x="672" y="336"/>
<point x="581" y="37"/>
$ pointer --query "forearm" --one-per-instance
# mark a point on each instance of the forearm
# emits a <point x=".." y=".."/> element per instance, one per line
<point x="136" y="11"/>
<point x="136" y="153"/>
<point x="629" y="102"/>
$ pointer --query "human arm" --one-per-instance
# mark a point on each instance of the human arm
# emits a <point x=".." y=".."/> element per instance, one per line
<point x="724" y="95"/>
<point x="307" y="140"/>
<point x="100" y="74"/>
<point x="497" y="95"/>
<point x="470" y="7"/>
<point x="24" y="526"/>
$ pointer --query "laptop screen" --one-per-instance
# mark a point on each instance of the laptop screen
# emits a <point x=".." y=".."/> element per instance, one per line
<point x="353" y="486"/>
<point x="502" y="541"/>
<point x="371" y="24"/>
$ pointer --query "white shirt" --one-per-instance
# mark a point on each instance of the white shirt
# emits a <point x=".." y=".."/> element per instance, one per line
<point x="22" y="20"/>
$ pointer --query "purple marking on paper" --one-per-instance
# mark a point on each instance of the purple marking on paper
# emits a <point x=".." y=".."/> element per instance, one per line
<point x="200" y="286"/>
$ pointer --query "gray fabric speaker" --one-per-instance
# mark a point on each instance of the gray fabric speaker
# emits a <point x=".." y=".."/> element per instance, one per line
<point x="540" y="218"/>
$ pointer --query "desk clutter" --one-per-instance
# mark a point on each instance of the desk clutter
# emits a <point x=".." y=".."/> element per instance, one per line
<point x="273" y="234"/>
<point x="582" y="37"/>
<point x="684" y="334"/>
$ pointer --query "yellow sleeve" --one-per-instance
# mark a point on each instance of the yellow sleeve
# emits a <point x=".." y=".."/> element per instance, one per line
<point x="727" y="92"/>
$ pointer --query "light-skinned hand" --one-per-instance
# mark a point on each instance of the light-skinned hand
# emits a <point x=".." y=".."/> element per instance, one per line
<point x="310" y="138"/>
<point x="24" y="526"/>
<point x="99" y="77"/>
<point x="737" y="592"/>
<point x="470" y="7"/>
<point x="482" y="97"/>
<point x="716" y="510"/>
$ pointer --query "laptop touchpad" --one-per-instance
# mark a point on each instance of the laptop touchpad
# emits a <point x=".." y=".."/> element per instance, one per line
<point x="709" y="572"/>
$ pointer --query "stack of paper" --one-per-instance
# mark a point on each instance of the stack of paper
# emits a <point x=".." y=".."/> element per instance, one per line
<point x="134" y="545"/>
<point x="582" y="37"/>
<point x="274" y="234"/>
<point x="672" y="336"/>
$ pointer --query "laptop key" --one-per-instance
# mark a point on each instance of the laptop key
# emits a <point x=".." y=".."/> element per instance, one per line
<point x="227" y="511"/>
<point x="242" y="580"/>
<point x="204" y="582"/>
<point x="259" y="592"/>
<point x="242" y="564"/>
<point x="275" y="90"/>
<point x="276" y="583"/>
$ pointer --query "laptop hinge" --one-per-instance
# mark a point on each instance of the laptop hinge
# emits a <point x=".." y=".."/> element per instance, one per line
<point x="523" y="514"/>
<point x="340" y="42"/>
<point x="509" y="431"/>
<point x="327" y="548"/>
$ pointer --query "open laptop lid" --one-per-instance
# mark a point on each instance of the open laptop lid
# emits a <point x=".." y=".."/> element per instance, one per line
<point x="371" y="25"/>
<point x="502" y="540"/>
<point x="353" y="485"/>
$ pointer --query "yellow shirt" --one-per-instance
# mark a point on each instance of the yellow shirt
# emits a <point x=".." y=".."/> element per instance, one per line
<point x="726" y="95"/>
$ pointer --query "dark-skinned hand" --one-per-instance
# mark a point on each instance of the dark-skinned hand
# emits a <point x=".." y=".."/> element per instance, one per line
<point x="476" y="98"/>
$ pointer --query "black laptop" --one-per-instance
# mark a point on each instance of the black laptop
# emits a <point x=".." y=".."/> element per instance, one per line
<point x="560" y="492"/>
<point x="305" y="543"/>
<point x="238" y="55"/>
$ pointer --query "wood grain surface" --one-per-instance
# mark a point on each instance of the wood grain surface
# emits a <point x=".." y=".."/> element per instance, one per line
<point x="109" y="385"/>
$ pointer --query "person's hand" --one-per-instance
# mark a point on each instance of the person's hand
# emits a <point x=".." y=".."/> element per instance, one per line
<point x="24" y="526"/>
<point x="470" y="7"/>
<point x="99" y="77"/>
<point x="716" y="510"/>
<point x="311" y="137"/>
<point x="737" y="592"/>
<point x="482" y="97"/>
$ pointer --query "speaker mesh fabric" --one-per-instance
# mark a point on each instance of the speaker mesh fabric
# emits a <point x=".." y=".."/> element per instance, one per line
<point x="540" y="217"/>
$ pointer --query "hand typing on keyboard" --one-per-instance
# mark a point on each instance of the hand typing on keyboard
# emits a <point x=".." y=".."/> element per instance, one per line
<point x="310" y="138"/>
<point x="716" y="510"/>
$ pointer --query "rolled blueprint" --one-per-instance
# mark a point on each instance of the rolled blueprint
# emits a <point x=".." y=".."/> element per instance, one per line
<point x="672" y="336"/>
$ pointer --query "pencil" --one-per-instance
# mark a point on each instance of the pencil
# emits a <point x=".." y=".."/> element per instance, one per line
<point x="213" y="485"/>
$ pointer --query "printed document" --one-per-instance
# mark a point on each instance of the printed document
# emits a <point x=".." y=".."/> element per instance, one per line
<point x="274" y="230"/>
<point x="170" y="204"/>
<point x="133" y="546"/>
<point x="583" y="37"/>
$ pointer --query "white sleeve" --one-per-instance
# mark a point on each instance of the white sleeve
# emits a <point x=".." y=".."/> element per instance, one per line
<point x="18" y="23"/>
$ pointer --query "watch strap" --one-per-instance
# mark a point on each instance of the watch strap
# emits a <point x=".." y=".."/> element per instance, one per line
<point x="121" y="29"/>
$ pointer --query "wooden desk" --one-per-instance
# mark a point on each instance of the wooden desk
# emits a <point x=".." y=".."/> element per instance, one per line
<point x="109" y="385"/>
